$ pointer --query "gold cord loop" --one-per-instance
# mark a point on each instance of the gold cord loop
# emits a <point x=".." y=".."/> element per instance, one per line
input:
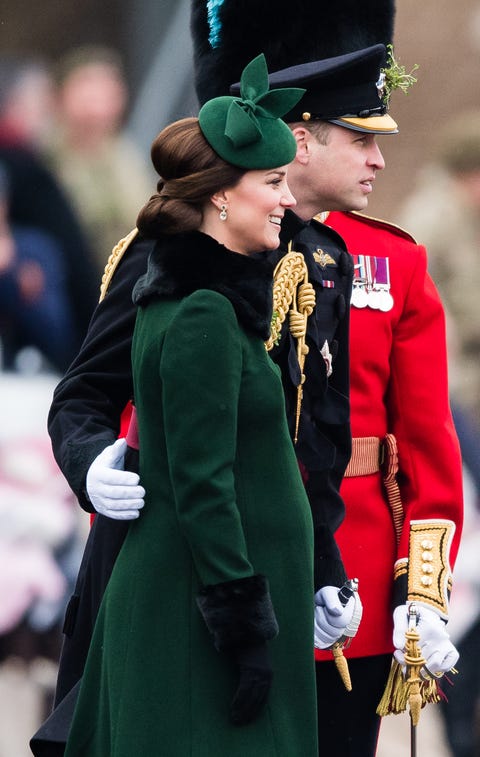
<point x="294" y="295"/>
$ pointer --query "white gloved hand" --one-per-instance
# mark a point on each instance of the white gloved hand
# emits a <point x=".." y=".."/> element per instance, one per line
<point x="113" y="491"/>
<point x="437" y="649"/>
<point x="332" y="620"/>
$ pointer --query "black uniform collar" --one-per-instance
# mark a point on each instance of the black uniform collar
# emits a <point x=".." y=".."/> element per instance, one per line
<point x="183" y="263"/>
<point x="295" y="230"/>
<point x="291" y="226"/>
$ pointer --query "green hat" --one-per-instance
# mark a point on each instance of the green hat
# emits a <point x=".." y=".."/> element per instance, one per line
<point x="247" y="131"/>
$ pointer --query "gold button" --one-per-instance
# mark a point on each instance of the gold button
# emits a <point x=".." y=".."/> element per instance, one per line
<point x="427" y="567"/>
<point x="426" y="544"/>
<point x="306" y="116"/>
<point x="427" y="556"/>
<point x="426" y="580"/>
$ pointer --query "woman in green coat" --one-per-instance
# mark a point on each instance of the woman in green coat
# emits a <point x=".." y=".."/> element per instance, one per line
<point x="203" y="644"/>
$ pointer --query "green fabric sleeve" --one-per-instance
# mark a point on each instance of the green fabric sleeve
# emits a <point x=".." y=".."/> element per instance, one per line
<point x="201" y="370"/>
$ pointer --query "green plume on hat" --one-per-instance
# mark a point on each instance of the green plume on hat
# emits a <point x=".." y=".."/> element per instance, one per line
<point x="396" y="76"/>
<point x="247" y="131"/>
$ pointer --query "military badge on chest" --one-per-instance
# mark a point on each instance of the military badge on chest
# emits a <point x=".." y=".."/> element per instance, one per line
<point x="324" y="260"/>
<point x="371" y="283"/>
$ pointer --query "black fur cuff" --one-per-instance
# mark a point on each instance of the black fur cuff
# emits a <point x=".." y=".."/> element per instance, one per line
<point x="238" y="613"/>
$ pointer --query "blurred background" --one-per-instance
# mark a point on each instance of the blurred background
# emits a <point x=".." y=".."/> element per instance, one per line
<point x="84" y="89"/>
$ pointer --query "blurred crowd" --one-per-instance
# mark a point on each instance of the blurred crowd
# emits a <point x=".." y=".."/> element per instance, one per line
<point x="443" y="212"/>
<point x="71" y="184"/>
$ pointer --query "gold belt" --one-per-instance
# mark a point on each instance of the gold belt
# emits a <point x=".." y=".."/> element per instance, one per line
<point x="366" y="456"/>
<point x="370" y="455"/>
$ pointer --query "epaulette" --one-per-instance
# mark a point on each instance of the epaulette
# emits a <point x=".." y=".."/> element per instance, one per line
<point x="113" y="261"/>
<point x="321" y="217"/>
<point x="382" y="224"/>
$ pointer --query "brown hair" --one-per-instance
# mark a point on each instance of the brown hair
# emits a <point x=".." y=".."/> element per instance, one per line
<point x="320" y="129"/>
<point x="191" y="172"/>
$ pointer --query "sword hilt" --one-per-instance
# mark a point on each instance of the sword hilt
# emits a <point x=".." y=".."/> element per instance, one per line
<point x="347" y="590"/>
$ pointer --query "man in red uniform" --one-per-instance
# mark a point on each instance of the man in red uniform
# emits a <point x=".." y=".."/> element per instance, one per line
<point x="403" y="486"/>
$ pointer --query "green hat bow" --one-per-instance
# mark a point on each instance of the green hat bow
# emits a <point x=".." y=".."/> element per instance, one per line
<point x="247" y="131"/>
<point x="242" y="125"/>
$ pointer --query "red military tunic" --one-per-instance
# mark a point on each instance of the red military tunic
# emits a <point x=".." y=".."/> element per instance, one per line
<point x="398" y="386"/>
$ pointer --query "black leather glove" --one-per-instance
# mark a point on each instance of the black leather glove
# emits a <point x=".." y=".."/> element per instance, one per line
<point x="255" y="679"/>
<point x="239" y="614"/>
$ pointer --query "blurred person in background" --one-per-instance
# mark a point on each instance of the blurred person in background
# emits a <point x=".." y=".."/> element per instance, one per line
<point x="444" y="214"/>
<point x="461" y="713"/>
<point x="101" y="168"/>
<point x="35" y="197"/>
<point x="41" y="537"/>
<point x="37" y="525"/>
<point x="35" y="310"/>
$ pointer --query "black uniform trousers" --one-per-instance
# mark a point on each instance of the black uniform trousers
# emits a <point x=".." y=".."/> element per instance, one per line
<point x="348" y="725"/>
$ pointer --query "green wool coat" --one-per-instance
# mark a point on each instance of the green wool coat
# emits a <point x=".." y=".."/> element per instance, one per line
<point x="224" y="501"/>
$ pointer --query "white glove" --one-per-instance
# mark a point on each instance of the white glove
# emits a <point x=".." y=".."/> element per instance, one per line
<point x="332" y="620"/>
<point x="113" y="491"/>
<point x="437" y="649"/>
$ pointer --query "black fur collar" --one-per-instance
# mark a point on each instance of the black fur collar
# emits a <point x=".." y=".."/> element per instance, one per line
<point x="182" y="263"/>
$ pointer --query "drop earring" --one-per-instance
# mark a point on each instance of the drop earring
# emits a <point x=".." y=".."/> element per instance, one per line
<point x="223" y="213"/>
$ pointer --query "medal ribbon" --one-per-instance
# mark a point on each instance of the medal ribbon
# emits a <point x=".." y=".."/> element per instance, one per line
<point x="382" y="277"/>
<point x="359" y="268"/>
<point x="370" y="270"/>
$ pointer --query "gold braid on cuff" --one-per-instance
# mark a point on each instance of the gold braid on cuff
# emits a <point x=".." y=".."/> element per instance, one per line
<point x="429" y="573"/>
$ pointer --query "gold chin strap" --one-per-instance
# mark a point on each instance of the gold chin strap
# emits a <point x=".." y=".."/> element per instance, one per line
<point x="113" y="261"/>
<point x="293" y="295"/>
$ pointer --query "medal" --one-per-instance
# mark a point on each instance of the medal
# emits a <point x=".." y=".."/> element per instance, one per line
<point x="374" y="299"/>
<point x="371" y="283"/>
<point x="327" y="356"/>
<point x="386" y="301"/>
<point x="359" y="297"/>
<point x="383" y="284"/>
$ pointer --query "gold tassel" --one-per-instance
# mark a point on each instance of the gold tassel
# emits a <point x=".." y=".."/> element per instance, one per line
<point x="396" y="694"/>
<point x="342" y="665"/>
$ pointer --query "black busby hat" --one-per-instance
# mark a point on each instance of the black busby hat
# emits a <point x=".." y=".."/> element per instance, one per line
<point x="226" y="34"/>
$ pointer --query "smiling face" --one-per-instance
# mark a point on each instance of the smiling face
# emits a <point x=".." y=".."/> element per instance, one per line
<point x="255" y="208"/>
<point x="334" y="173"/>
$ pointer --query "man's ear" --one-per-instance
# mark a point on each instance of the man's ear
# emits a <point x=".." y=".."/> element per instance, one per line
<point x="302" y="138"/>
